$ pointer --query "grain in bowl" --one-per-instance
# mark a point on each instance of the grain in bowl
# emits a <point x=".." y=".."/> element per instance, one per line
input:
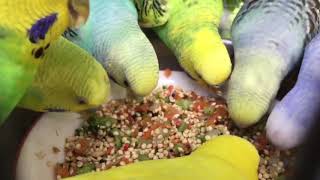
<point x="167" y="124"/>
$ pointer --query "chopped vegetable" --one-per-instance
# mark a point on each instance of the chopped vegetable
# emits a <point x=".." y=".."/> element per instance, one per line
<point x="208" y="110"/>
<point x="81" y="131"/>
<point x="143" y="157"/>
<point x="86" y="169"/>
<point x="118" y="142"/>
<point x="183" y="127"/>
<point x="178" y="148"/>
<point x="184" y="103"/>
<point x="96" y="122"/>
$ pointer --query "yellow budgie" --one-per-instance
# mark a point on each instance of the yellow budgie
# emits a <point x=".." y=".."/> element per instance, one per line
<point x="222" y="158"/>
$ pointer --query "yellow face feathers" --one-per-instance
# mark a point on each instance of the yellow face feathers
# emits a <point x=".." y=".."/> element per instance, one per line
<point x="209" y="57"/>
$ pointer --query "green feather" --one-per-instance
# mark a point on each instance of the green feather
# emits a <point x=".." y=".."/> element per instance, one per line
<point x="17" y="68"/>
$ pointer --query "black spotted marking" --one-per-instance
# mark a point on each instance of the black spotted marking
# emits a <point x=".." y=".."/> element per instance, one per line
<point x="47" y="46"/>
<point x="39" y="53"/>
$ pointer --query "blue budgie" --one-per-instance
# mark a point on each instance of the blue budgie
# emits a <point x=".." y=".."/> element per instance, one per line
<point x="269" y="38"/>
<point x="289" y="122"/>
<point x="112" y="34"/>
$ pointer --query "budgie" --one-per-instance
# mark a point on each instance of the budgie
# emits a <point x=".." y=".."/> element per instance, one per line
<point x="221" y="158"/>
<point x="190" y="29"/>
<point x="294" y="115"/>
<point x="27" y="28"/>
<point x="69" y="79"/>
<point x="269" y="39"/>
<point x="112" y="34"/>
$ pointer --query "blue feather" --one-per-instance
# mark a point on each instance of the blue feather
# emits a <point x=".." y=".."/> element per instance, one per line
<point x="294" y="116"/>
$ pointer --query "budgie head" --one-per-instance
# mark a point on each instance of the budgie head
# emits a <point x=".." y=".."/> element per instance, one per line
<point x="43" y="21"/>
<point x="88" y="93"/>
<point x="210" y="58"/>
<point x="70" y="79"/>
<point x="90" y="90"/>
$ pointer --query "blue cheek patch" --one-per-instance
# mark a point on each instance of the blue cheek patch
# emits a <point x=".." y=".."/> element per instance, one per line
<point x="41" y="27"/>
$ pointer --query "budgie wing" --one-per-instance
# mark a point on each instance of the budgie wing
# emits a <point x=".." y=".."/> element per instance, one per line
<point x="17" y="68"/>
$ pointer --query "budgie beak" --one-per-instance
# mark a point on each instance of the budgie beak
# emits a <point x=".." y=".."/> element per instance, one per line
<point x="214" y="64"/>
<point x="96" y="91"/>
<point x="79" y="12"/>
<point x="253" y="85"/>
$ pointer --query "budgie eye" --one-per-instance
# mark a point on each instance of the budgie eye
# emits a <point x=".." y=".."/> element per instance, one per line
<point x="82" y="100"/>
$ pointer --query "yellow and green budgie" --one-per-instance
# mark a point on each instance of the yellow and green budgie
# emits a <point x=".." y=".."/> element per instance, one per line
<point x="69" y="79"/>
<point x="26" y="30"/>
<point x="190" y="29"/>
<point x="222" y="158"/>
